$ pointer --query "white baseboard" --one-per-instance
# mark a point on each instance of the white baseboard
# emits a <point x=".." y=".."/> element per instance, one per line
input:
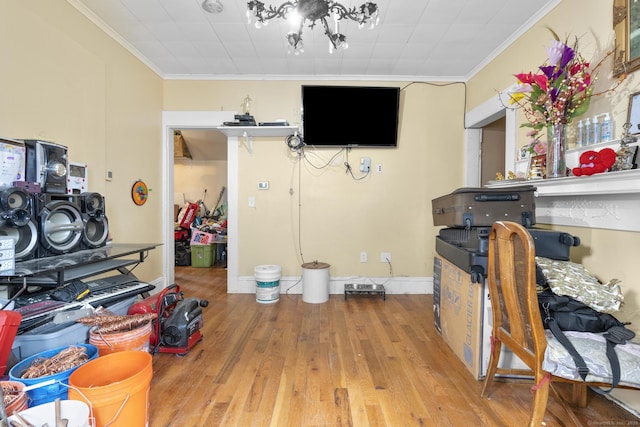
<point x="293" y="284"/>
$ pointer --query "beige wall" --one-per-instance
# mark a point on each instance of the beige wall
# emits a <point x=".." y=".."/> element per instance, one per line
<point x="340" y="217"/>
<point x="607" y="254"/>
<point x="64" y="80"/>
<point x="193" y="177"/>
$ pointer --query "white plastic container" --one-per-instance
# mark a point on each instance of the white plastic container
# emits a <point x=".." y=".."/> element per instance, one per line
<point x="606" y="129"/>
<point x="580" y="135"/>
<point x="76" y="412"/>
<point x="267" y="283"/>
<point x="595" y="130"/>
<point x="315" y="282"/>
<point x="588" y="135"/>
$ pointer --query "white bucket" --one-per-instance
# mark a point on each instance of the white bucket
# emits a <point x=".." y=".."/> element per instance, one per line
<point x="315" y="282"/>
<point x="73" y="410"/>
<point x="267" y="283"/>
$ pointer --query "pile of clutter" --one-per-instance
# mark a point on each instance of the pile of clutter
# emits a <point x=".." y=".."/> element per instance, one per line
<point x="195" y="224"/>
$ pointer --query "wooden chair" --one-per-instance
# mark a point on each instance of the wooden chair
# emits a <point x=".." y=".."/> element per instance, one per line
<point x="516" y="318"/>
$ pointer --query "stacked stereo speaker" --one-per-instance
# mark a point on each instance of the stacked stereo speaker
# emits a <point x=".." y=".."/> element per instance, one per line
<point x="41" y="217"/>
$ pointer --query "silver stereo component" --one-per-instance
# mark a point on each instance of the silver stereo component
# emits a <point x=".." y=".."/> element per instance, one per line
<point x="47" y="164"/>
<point x="78" y="180"/>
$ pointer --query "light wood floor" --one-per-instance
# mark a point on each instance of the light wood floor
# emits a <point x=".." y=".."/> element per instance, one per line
<point x="356" y="362"/>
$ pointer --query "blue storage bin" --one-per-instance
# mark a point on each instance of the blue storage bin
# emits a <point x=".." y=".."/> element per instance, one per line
<point x="48" y="393"/>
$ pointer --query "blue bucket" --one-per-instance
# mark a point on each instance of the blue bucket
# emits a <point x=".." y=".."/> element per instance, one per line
<point x="59" y="388"/>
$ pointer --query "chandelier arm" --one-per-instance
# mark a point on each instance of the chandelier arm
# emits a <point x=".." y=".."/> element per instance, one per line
<point x="328" y="33"/>
<point x="263" y="13"/>
<point x="351" y="13"/>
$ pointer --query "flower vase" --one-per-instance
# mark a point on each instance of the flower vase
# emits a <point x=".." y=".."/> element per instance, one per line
<point x="556" y="166"/>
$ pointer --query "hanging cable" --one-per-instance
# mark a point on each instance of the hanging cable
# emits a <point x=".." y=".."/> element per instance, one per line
<point x="300" y="206"/>
<point x="349" y="169"/>
<point x="294" y="142"/>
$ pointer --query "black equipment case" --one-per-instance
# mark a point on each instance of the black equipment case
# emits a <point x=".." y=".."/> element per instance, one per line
<point x="481" y="207"/>
<point x="468" y="248"/>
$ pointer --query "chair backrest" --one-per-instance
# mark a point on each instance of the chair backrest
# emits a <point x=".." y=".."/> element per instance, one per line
<point x="512" y="289"/>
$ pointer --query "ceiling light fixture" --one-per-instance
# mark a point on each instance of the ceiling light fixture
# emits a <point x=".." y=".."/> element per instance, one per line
<point x="312" y="11"/>
<point x="212" y="6"/>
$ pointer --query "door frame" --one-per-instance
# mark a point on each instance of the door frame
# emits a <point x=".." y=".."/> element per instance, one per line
<point x="487" y="112"/>
<point x="175" y="120"/>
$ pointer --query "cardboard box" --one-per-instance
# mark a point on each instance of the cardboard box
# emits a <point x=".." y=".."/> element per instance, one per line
<point x="457" y="308"/>
<point x="12" y="161"/>
<point x="462" y="316"/>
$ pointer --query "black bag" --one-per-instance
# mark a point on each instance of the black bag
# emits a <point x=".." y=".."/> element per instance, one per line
<point x="563" y="313"/>
<point x="572" y="315"/>
<point x="183" y="254"/>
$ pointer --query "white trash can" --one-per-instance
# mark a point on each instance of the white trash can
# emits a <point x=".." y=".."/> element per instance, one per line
<point x="315" y="282"/>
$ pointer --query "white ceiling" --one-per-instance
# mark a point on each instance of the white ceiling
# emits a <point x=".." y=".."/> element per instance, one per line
<point x="416" y="40"/>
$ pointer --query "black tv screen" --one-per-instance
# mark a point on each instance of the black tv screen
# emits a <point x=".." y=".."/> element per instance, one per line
<point x="350" y="116"/>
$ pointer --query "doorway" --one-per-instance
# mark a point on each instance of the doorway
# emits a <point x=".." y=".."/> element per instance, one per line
<point x="198" y="120"/>
<point x="492" y="148"/>
<point x="200" y="176"/>
<point x="486" y="113"/>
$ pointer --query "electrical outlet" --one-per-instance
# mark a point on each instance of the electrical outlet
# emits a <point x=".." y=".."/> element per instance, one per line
<point x="363" y="257"/>
<point x="385" y="256"/>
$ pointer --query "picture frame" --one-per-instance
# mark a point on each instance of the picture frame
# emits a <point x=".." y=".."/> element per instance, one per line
<point x="626" y="26"/>
<point x="633" y="113"/>
<point x="626" y="158"/>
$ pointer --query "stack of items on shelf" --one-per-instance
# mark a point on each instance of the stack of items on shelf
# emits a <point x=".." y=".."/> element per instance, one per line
<point x="460" y="295"/>
<point x="45" y="205"/>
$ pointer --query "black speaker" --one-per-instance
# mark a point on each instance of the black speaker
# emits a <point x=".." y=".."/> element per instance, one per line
<point x="95" y="232"/>
<point x="96" y="224"/>
<point x="15" y="206"/>
<point x="61" y="225"/>
<point x="46" y="163"/>
<point x="17" y="221"/>
<point x="25" y="239"/>
<point x="92" y="204"/>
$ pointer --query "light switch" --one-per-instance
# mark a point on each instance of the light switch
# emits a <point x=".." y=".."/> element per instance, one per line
<point x="252" y="202"/>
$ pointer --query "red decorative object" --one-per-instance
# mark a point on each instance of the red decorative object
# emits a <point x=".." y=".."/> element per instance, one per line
<point x="595" y="162"/>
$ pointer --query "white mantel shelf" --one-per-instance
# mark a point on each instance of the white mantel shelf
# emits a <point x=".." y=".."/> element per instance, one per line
<point x="250" y="132"/>
<point x="608" y="200"/>
<point x="604" y="183"/>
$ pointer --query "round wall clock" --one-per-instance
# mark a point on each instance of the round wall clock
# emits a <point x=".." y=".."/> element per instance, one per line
<point x="139" y="193"/>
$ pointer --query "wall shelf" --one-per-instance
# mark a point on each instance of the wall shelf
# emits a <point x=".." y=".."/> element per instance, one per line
<point x="258" y="131"/>
<point x="250" y="132"/>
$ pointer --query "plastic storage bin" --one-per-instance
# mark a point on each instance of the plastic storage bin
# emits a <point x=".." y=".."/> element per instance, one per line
<point x="50" y="336"/>
<point x="58" y="389"/>
<point x="201" y="255"/>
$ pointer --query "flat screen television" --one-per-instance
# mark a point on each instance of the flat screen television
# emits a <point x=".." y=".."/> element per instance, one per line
<point x="350" y="116"/>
